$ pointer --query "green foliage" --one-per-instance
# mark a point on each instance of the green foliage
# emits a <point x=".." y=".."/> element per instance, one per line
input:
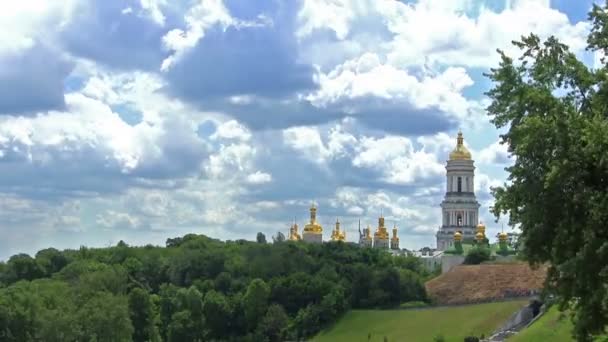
<point x="477" y="255"/>
<point x="198" y="289"/>
<point x="274" y="324"/>
<point x="142" y="314"/>
<point x="256" y="302"/>
<point x="553" y="108"/>
<point x="260" y="238"/>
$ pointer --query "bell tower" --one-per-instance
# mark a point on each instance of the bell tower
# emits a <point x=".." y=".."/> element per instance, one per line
<point x="459" y="209"/>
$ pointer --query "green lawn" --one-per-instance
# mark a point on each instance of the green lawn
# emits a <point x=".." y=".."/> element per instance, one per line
<point x="453" y="323"/>
<point x="550" y="327"/>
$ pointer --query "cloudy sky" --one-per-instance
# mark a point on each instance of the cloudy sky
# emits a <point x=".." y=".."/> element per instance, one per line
<point x="148" y="119"/>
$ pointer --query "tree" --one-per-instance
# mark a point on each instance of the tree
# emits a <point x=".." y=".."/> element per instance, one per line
<point x="105" y="317"/>
<point x="554" y="111"/>
<point x="141" y="312"/>
<point x="260" y="238"/>
<point x="274" y="324"/>
<point x="279" y="237"/>
<point x="22" y="267"/>
<point x="477" y="255"/>
<point x="256" y="302"/>
<point x="217" y="314"/>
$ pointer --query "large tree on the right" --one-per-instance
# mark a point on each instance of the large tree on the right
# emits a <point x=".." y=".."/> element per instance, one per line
<point x="554" y="110"/>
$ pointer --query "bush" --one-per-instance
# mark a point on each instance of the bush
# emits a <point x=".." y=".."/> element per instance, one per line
<point x="477" y="255"/>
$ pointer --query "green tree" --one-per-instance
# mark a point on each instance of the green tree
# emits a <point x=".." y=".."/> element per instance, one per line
<point x="105" y="317"/>
<point x="256" y="302"/>
<point x="142" y="314"/>
<point x="554" y="110"/>
<point x="260" y="238"/>
<point x="22" y="267"/>
<point x="477" y="255"/>
<point x="274" y="324"/>
<point x="216" y="311"/>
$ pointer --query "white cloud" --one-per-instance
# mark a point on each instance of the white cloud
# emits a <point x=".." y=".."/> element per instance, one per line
<point x="117" y="220"/>
<point x="397" y="159"/>
<point x="416" y="39"/>
<point x="152" y="8"/>
<point x="259" y="178"/>
<point x="202" y="16"/>
<point x="231" y="130"/>
<point x="496" y="153"/>
<point x="23" y="23"/>
<point x="231" y="160"/>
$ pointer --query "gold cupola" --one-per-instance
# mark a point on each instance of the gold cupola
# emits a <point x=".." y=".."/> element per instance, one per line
<point x="460" y="152"/>
<point x="481" y="228"/>
<point x="313" y="226"/>
<point x="395" y="237"/>
<point x="293" y="232"/>
<point x="502" y="237"/>
<point x="337" y="234"/>
<point x="479" y="237"/>
<point x="381" y="232"/>
<point x="457" y="237"/>
<point x="368" y="233"/>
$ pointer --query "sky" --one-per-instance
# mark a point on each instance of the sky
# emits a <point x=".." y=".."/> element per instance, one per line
<point x="142" y="120"/>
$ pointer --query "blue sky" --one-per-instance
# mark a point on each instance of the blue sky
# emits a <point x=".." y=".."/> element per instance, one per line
<point x="142" y="120"/>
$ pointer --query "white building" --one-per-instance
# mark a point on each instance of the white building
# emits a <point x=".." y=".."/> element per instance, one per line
<point x="460" y="209"/>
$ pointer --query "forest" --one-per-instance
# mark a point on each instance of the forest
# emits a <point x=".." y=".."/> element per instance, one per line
<point x="198" y="289"/>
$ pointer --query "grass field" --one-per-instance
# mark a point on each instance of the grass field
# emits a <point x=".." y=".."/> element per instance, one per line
<point x="550" y="327"/>
<point x="454" y="323"/>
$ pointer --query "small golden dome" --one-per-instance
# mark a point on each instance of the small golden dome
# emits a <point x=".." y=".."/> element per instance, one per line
<point x="313" y="226"/>
<point x="479" y="236"/>
<point x="457" y="236"/>
<point x="481" y="228"/>
<point x="460" y="152"/>
<point x="502" y="237"/>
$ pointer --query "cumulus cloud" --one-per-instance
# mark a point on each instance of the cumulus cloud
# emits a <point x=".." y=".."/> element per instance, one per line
<point x="259" y="178"/>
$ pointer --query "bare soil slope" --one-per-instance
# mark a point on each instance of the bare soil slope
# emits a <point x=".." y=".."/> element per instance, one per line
<point x="485" y="282"/>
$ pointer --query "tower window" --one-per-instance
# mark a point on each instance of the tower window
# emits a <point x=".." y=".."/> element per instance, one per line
<point x="459" y="184"/>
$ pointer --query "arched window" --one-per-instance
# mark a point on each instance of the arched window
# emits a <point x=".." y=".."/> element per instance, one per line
<point x="459" y="184"/>
<point x="459" y="220"/>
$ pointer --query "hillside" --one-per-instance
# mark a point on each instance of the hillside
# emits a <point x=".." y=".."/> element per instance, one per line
<point x="477" y="283"/>
<point x="421" y="324"/>
<point x="552" y="326"/>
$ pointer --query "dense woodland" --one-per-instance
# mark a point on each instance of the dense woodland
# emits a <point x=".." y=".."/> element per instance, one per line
<point x="197" y="289"/>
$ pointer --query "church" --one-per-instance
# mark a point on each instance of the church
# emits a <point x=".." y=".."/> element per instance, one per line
<point x="313" y="233"/>
<point x="459" y="209"/>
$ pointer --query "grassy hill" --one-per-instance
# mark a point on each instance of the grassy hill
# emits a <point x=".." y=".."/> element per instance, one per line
<point x="474" y="283"/>
<point x="552" y="326"/>
<point x="454" y="323"/>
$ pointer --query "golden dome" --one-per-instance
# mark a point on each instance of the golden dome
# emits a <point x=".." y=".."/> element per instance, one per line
<point x="337" y="234"/>
<point x="502" y="237"/>
<point x="293" y="233"/>
<point x="368" y="233"/>
<point x="481" y="228"/>
<point x="479" y="236"/>
<point x="457" y="236"/>
<point x="313" y="226"/>
<point x="460" y="152"/>
<point x="381" y="232"/>
<point x="395" y="237"/>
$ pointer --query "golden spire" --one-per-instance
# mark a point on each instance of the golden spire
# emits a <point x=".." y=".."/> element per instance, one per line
<point x="313" y="226"/>
<point x="368" y="233"/>
<point x="338" y="235"/>
<point x="381" y="232"/>
<point x="395" y="237"/>
<point x="460" y="152"/>
<point x="293" y="232"/>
